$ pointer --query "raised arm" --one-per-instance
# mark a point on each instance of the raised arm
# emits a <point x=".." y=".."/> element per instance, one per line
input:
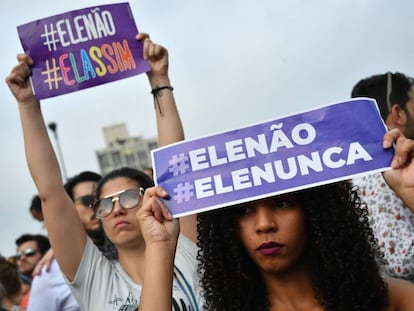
<point x="160" y="232"/>
<point x="63" y="224"/>
<point x="169" y="126"/>
<point x="401" y="177"/>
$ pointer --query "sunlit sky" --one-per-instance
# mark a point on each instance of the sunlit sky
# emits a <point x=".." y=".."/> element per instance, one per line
<point x="232" y="63"/>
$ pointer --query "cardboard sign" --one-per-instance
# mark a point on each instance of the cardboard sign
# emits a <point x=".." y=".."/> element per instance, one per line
<point x="317" y="147"/>
<point x="82" y="48"/>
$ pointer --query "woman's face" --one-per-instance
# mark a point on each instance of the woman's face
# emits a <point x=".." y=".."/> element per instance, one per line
<point x="273" y="232"/>
<point x="121" y="226"/>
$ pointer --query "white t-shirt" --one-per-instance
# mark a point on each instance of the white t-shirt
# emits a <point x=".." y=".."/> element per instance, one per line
<point x="102" y="285"/>
<point x="49" y="291"/>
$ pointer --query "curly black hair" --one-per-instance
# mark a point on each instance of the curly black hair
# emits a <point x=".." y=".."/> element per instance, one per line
<point x="342" y="255"/>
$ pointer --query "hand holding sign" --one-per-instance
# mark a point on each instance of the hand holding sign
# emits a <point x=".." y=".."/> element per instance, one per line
<point x="157" y="56"/>
<point x="401" y="177"/>
<point x="156" y="223"/>
<point x="328" y="144"/>
<point x="18" y="79"/>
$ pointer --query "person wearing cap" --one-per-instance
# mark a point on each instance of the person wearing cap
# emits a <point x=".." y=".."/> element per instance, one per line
<point x="390" y="218"/>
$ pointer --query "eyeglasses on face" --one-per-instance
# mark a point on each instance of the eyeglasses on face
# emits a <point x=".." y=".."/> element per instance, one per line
<point x="86" y="200"/>
<point x="29" y="252"/>
<point x="127" y="199"/>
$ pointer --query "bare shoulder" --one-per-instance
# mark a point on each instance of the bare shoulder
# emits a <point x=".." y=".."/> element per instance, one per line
<point x="401" y="293"/>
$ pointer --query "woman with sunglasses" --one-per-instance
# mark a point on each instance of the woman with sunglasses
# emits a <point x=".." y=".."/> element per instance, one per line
<point x="136" y="221"/>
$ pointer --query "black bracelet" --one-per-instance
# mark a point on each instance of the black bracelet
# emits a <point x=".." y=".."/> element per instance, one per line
<point x="155" y="90"/>
<point x="156" y="93"/>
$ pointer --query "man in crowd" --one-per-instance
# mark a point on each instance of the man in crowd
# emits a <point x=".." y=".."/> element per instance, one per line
<point x="391" y="220"/>
<point x="49" y="290"/>
<point x="36" y="212"/>
<point x="30" y="249"/>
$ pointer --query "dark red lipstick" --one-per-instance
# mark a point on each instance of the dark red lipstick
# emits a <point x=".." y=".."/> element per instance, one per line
<point x="270" y="248"/>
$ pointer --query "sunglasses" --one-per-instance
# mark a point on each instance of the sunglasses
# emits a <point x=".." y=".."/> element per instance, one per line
<point x="86" y="200"/>
<point x="127" y="199"/>
<point x="27" y="252"/>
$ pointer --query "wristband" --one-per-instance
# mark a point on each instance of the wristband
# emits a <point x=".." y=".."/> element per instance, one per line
<point x="156" y="93"/>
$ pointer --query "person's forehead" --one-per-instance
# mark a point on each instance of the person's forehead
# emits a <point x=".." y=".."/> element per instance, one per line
<point x="118" y="184"/>
<point x="277" y="198"/>
<point x="84" y="188"/>
<point x="410" y="106"/>
<point x="28" y="244"/>
<point x="411" y="92"/>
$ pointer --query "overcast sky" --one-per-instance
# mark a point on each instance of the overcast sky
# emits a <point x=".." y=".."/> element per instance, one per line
<point x="232" y="63"/>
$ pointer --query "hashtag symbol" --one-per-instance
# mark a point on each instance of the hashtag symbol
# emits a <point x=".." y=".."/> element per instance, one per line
<point x="52" y="74"/>
<point x="50" y="39"/>
<point x="178" y="164"/>
<point x="183" y="192"/>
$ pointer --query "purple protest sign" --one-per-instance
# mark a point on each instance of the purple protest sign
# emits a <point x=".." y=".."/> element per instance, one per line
<point x="317" y="147"/>
<point x="82" y="48"/>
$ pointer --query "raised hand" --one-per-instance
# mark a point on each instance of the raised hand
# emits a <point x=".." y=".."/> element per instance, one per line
<point x="157" y="57"/>
<point x="157" y="223"/>
<point x="401" y="177"/>
<point x="46" y="261"/>
<point x="18" y="79"/>
<point x="403" y="160"/>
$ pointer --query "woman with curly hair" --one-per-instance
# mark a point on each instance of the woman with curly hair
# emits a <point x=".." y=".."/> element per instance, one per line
<point x="307" y="250"/>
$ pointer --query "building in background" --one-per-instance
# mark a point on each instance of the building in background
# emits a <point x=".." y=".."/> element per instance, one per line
<point x="123" y="150"/>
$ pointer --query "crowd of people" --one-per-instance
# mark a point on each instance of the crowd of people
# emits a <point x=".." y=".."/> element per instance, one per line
<point x="114" y="245"/>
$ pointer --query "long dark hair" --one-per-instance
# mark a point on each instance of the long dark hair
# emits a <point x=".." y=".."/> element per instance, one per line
<point x="342" y="255"/>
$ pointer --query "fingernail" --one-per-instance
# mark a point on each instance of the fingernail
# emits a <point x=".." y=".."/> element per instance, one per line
<point x="395" y="163"/>
<point x="386" y="143"/>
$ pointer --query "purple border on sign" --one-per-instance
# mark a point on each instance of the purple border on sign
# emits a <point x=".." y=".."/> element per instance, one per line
<point x="82" y="48"/>
<point x="317" y="147"/>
